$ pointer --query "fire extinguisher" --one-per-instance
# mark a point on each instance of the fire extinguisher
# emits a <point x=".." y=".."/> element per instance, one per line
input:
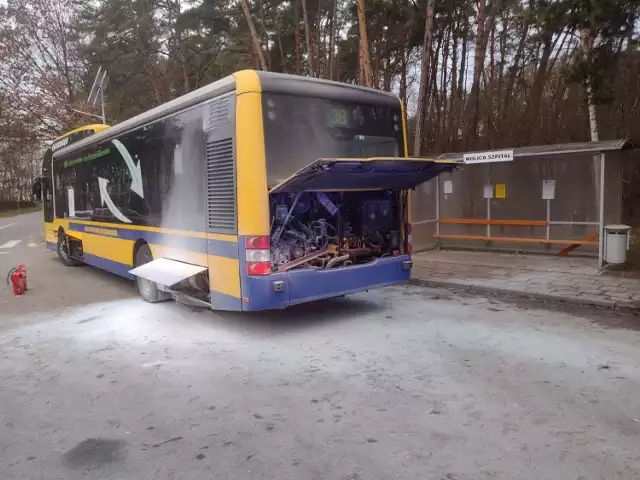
<point x="18" y="279"/>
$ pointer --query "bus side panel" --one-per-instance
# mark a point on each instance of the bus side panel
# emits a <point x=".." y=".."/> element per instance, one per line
<point x="224" y="283"/>
<point x="224" y="280"/>
<point x="180" y="254"/>
<point x="222" y="191"/>
<point x="50" y="235"/>
<point x="253" y="197"/>
<point x="251" y="178"/>
<point x="104" y="247"/>
<point x="51" y="232"/>
<point x="111" y="254"/>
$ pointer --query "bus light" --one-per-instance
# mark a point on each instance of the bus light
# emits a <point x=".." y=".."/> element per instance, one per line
<point x="254" y="243"/>
<point x="258" y="268"/>
<point x="257" y="255"/>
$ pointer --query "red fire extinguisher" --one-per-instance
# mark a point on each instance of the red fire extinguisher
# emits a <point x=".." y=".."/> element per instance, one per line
<point x="18" y="277"/>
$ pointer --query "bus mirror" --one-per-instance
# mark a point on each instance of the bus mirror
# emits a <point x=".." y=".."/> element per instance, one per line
<point x="36" y="188"/>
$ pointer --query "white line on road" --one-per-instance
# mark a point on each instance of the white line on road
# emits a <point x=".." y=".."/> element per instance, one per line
<point x="7" y="226"/>
<point x="10" y="244"/>
<point x="33" y="245"/>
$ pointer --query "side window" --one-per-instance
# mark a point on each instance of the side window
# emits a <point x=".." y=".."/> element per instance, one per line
<point x="98" y="182"/>
<point x="154" y="176"/>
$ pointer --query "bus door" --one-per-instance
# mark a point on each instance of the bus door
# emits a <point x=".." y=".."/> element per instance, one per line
<point x="47" y="187"/>
<point x="42" y="188"/>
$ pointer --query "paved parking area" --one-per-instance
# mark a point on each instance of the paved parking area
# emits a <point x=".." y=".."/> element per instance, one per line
<point x="401" y="383"/>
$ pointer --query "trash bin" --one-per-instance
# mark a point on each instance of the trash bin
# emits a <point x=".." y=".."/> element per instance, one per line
<point x="616" y="243"/>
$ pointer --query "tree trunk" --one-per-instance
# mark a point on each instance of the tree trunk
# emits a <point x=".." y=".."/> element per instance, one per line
<point x="492" y="56"/>
<point x="307" y="35"/>
<point x="255" y="40"/>
<point x="463" y="57"/>
<point x="364" y="45"/>
<point x="586" y="40"/>
<point x="433" y="96"/>
<point x="282" y="59"/>
<point x="538" y="86"/>
<point x="424" y="79"/>
<point x="478" y="65"/>
<point x="503" y="48"/>
<point x="332" y="37"/>
<point x="480" y="53"/>
<point x="453" y="102"/>
<point x="403" y="71"/>
<point x="296" y="16"/>
<point x="445" y="66"/>
<point x="264" y="33"/>
<point x="514" y="71"/>
<point x="360" y="66"/>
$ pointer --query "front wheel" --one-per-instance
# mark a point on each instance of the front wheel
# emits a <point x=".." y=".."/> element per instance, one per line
<point x="63" y="251"/>
<point x="148" y="290"/>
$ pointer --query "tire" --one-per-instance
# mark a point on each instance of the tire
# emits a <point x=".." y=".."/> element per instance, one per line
<point x="147" y="289"/>
<point x="62" y="249"/>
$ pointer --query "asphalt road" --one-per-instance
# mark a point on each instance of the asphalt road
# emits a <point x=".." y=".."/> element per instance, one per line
<point x="400" y="383"/>
<point x="20" y="230"/>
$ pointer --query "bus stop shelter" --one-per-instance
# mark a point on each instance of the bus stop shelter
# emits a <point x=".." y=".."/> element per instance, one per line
<point x="552" y="199"/>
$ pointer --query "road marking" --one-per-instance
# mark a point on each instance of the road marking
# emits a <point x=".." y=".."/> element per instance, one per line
<point x="10" y="244"/>
<point x="33" y="245"/>
<point x="7" y="226"/>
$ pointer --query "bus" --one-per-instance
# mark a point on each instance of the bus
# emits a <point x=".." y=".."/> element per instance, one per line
<point x="258" y="191"/>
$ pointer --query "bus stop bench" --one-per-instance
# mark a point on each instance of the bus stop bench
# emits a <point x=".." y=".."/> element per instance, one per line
<point x="543" y="241"/>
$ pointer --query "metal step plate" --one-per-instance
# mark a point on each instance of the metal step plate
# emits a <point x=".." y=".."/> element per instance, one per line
<point x="164" y="271"/>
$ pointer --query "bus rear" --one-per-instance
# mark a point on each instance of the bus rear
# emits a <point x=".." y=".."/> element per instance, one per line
<point x="338" y="194"/>
<point x="339" y="226"/>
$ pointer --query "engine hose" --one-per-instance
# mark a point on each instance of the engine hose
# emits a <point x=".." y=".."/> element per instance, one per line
<point x="279" y="232"/>
<point x="297" y="235"/>
<point x="9" y="275"/>
<point x="336" y="260"/>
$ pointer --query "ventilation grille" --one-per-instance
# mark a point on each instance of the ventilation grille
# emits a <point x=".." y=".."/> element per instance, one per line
<point x="218" y="113"/>
<point x="221" y="187"/>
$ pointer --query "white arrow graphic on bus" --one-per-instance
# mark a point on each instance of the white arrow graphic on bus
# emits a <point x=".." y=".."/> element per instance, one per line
<point x="136" y="172"/>
<point x="104" y="196"/>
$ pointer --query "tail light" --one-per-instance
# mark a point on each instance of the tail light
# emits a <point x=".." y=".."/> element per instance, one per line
<point x="409" y="238"/>
<point x="257" y="255"/>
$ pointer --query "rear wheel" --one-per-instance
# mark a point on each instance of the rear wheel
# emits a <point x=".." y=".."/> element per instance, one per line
<point x="148" y="290"/>
<point x="63" y="251"/>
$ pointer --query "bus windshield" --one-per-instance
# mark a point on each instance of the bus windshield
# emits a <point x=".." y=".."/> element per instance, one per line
<point x="299" y="130"/>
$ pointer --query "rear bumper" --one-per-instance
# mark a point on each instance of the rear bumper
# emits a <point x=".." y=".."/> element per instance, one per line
<point x="280" y="290"/>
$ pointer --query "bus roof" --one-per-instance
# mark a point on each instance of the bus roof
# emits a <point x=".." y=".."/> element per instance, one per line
<point x="242" y="82"/>
<point x="97" y="127"/>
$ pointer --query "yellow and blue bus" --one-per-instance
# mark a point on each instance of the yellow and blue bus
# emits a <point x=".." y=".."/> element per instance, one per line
<point x="258" y="191"/>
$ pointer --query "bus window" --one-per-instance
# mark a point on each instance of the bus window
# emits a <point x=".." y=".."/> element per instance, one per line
<point x="299" y="130"/>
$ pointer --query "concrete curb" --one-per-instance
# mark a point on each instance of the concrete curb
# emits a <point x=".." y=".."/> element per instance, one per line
<point x="608" y="304"/>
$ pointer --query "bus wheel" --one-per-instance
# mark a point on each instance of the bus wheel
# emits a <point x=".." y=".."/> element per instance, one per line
<point x="63" y="251"/>
<point x="148" y="290"/>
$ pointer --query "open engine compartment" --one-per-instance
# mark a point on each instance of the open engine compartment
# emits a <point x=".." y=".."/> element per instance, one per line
<point x="335" y="229"/>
